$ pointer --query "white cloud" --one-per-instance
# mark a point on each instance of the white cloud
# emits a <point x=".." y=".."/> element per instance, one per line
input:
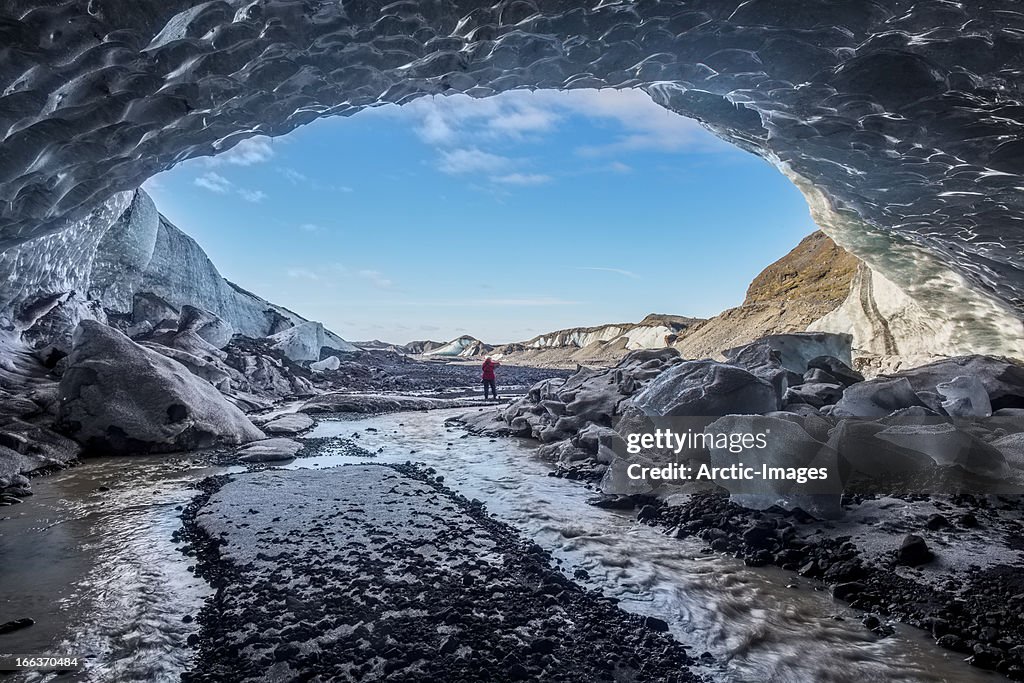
<point x="250" y="151"/>
<point x="311" y="227"/>
<point x="335" y="273"/>
<point x="456" y="120"/>
<point x="521" y="179"/>
<point x="522" y="118"/>
<point x="214" y="182"/>
<point x="470" y="134"/>
<point x="376" y="278"/>
<point x="303" y="274"/>
<point x="254" y="196"/>
<point x="434" y="127"/>
<point x="462" y="161"/>
<point x="617" y="271"/>
<point x="646" y="125"/>
<point x="295" y="177"/>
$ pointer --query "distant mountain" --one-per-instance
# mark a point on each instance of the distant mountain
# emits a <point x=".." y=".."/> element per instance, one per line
<point x="597" y="344"/>
<point x="378" y="345"/>
<point x="789" y="295"/>
<point x="420" y="347"/>
<point x="653" y="332"/>
<point x="464" y="347"/>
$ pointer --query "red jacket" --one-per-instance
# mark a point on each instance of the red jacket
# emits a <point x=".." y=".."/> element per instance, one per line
<point x="489" y="369"/>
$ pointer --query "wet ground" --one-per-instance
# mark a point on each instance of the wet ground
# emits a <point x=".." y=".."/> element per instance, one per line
<point x="101" y="575"/>
<point x="90" y="558"/>
<point x="370" y="572"/>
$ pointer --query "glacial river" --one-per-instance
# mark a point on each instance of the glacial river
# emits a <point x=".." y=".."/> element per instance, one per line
<point x="90" y="557"/>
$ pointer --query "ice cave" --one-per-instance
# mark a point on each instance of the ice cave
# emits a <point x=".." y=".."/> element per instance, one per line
<point x="899" y="121"/>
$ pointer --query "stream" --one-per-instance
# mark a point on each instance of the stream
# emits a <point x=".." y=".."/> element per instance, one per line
<point x="91" y="559"/>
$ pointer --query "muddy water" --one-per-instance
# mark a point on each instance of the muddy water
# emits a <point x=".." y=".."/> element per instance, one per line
<point x="98" y="571"/>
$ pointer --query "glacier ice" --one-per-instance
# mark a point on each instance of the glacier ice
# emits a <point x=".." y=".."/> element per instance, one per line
<point x="329" y="363"/>
<point x="965" y="397"/>
<point x="126" y="259"/>
<point x="306" y="340"/>
<point x="899" y="123"/>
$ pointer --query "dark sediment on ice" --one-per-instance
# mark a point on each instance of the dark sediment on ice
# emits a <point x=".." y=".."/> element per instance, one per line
<point x="372" y="572"/>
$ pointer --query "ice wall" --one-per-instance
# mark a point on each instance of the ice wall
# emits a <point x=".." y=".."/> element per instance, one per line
<point x="124" y="248"/>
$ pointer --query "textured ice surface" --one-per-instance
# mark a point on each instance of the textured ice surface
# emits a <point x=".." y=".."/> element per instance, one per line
<point x="305" y="340"/>
<point x="965" y="397"/>
<point x="120" y="397"/>
<point x="901" y="121"/>
<point x="123" y="249"/>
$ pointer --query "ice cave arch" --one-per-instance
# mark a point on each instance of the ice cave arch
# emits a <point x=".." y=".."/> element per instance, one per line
<point x="899" y="120"/>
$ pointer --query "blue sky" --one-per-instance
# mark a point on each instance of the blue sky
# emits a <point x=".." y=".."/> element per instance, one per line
<point x="501" y="218"/>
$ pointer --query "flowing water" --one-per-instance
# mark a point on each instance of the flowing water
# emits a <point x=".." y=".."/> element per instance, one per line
<point x="99" y="572"/>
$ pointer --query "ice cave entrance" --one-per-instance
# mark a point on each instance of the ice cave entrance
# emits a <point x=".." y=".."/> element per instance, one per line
<point x="502" y="218"/>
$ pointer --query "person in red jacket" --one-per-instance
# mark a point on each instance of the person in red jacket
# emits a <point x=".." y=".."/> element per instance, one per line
<point x="488" y="377"/>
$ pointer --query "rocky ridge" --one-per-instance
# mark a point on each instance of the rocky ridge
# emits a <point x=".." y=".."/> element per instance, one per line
<point x="810" y="281"/>
<point x="566" y="348"/>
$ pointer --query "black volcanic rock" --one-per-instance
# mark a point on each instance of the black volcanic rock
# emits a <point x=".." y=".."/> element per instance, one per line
<point x="913" y="551"/>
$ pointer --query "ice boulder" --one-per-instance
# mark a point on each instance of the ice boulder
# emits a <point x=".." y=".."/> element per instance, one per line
<point x="270" y="450"/>
<point x="860" y="447"/>
<point x="1012" y="448"/>
<point x="329" y="363"/>
<point x="617" y="481"/>
<point x="877" y="398"/>
<point x="213" y="371"/>
<point x="305" y="340"/>
<point x="202" y="358"/>
<point x="293" y="423"/>
<point x="705" y="388"/>
<point x="797" y="349"/>
<point x="206" y="325"/>
<point x="948" y="445"/>
<point x="761" y="360"/>
<point x="793" y="470"/>
<point x="119" y="397"/>
<point x="965" y="397"/>
<point x="150" y="308"/>
<point x="835" y="368"/>
<point x="1002" y="379"/>
<point x="813" y="394"/>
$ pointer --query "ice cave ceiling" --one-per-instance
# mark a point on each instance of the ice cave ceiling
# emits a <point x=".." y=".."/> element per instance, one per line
<point x="900" y="120"/>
